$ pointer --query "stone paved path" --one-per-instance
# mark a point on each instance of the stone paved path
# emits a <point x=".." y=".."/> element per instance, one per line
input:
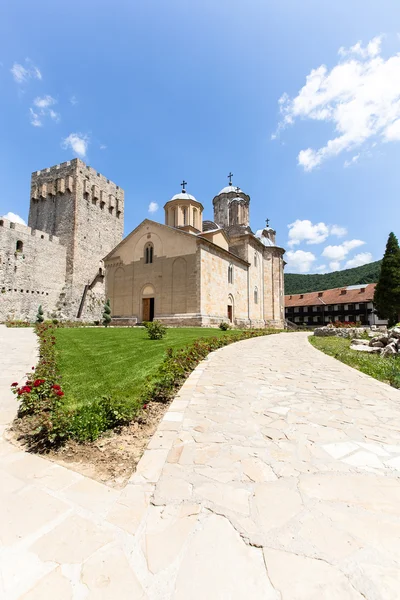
<point x="274" y="475"/>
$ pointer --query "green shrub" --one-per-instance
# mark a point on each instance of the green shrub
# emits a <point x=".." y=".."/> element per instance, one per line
<point x="55" y="321"/>
<point x="39" y="316"/>
<point x="156" y="330"/>
<point x="224" y="326"/>
<point x="107" y="314"/>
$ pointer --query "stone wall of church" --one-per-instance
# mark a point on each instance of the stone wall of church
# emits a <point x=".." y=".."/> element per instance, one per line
<point x="216" y="291"/>
<point x="172" y="281"/>
<point x="32" y="272"/>
<point x="273" y="286"/>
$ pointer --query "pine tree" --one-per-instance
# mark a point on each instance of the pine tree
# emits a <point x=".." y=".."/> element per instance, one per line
<point x="387" y="291"/>
<point x="107" y="314"/>
<point x="39" y="316"/>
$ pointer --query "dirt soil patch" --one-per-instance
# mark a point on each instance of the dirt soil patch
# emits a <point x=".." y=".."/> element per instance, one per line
<point x="113" y="457"/>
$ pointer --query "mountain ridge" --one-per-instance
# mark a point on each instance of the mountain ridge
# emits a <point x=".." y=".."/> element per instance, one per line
<point x="301" y="284"/>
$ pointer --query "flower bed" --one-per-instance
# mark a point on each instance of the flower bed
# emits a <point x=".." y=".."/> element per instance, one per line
<point x="48" y="420"/>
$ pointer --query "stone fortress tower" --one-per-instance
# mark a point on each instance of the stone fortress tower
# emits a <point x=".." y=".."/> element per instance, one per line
<point x="76" y="217"/>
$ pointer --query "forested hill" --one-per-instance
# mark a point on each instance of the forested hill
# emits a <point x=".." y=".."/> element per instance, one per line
<point x="301" y="284"/>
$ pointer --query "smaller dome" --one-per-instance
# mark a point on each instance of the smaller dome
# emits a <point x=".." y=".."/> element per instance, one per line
<point x="210" y="226"/>
<point x="228" y="189"/>
<point x="183" y="196"/>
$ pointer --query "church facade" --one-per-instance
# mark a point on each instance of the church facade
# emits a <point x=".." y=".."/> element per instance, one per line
<point x="193" y="272"/>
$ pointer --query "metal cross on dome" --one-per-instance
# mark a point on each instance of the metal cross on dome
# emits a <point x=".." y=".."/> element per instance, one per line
<point x="267" y="222"/>
<point x="230" y="177"/>
<point x="183" y="184"/>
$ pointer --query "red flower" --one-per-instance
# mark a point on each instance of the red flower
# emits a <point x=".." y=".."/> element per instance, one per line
<point x="38" y="382"/>
<point x="56" y="387"/>
<point x="14" y="384"/>
<point x="144" y="405"/>
<point x="60" y="393"/>
<point x="33" y="368"/>
<point x="28" y="383"/>
<point x="25" y="390"/>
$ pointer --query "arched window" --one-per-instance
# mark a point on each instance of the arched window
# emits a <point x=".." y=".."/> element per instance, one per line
<point x="256" y="295"/>
<point x="255" y="259"/>
<point x="195" y="218"/>
<point x="19" y="246"/>
<point x="148" y="254"/>
<point x="184" y="210"/>
<point x="230" y="274"/>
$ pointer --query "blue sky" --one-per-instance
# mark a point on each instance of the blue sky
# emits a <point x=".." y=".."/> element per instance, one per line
<point x="152" y="92"/>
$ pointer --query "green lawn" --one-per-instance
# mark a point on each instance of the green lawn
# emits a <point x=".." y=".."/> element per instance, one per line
<point x="116" y="362"/>
<point x="384" y="369"/>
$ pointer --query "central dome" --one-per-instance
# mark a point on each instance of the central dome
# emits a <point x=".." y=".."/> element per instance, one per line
<point x="183" y="196"/>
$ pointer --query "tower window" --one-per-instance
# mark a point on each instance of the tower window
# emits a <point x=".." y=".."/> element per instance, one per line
<point x="195" y="218"/>
<point x="1" y="223"/>
<point x="256" y="295"/>
<point x="148" y="254"/>
<point x="230" y="274"/>
<point x="255" y="259"/>
<point x="185" y="216"/>
<point x="20" y="246"/>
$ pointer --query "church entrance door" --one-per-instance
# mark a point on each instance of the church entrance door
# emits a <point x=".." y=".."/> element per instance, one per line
<point x="148" y="309"/>
<point x="230" y="312"/>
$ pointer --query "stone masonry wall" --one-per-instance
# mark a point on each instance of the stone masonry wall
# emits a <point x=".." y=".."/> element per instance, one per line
<point x="32" y="275"/>
<point x="86" y="211"/>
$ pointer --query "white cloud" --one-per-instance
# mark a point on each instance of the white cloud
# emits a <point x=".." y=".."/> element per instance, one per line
<point x="321" y="269"/>
<point x="44" y="102"/>
<point x="338" y="230"/>
<point x="334" y="265"/>
<point x="362" y="258"/>
<point x="340" y="252"/>
<point x="14" y="218"/>
<point x="73" y="100"/>
<point x="21" y="74"/>
<point x="42" y="105"/>
<point x="305" y="231"/>
<point x="35" y="119"/>
<point x="103" y="147"/>
<point x="153" y="207"/>
<point x="352" y="161"/>
<point x="360" y="96"/>
<point x="77" y="142"/>
<point x="299" y="260"/>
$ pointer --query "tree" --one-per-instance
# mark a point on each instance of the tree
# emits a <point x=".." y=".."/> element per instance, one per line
<point x="39" y="316"/>
<point x="107" y="314"/>
<point x="387" y="291"/>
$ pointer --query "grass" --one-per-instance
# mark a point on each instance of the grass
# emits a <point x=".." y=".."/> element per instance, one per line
<point x="383" y="369"/>
<point x="114" y="362"/>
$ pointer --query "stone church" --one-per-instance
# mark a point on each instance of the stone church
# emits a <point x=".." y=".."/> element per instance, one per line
<point x="188" y="271"/>
<point x="193" y="272"/>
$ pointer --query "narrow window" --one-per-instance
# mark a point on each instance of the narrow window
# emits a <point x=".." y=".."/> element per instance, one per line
<point x="255" y="295"/>
<point x="185" y="216"/>
<point x="148" y="254"/>
<point x="19" y="246"/>
<point x="1" y="223"/>
<point x="195" y="218"/>
<point x="255" y="259"/>
<point x="230" y="274"/>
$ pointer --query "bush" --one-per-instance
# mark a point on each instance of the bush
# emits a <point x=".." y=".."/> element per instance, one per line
<point x="39" y="316"/>
<point x="155" y="330"/>
<point x="55" y="321"/>
<point x="107" y="314"/>
<point x="224" y="326"/>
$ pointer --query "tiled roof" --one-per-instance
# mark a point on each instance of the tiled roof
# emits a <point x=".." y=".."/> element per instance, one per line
<point x="343" y="295"/>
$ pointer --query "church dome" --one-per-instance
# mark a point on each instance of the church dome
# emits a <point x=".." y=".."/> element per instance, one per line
<point x="230" y="188"/>
<point x="210" y="226"/>
<point x="183" y="196"/>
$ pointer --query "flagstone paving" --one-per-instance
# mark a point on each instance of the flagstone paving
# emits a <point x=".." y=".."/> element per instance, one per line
<point x="274" y="475"/>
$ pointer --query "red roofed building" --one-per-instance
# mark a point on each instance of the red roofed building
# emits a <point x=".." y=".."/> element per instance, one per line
<point x="353" y="303"/>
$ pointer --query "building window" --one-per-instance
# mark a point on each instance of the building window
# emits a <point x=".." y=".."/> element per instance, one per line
<point x="256" y="295"/>
<point x="184" y="210"/>
<point x="20" y="246"/>
<point x="255" y="259"/>
<point x="1" y="223"/>
<point x="195" y="218"/>
<point x="148" y="254"/>
<point x="230" y="274"/>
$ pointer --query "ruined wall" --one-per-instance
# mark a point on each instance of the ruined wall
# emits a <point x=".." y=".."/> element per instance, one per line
<point x="31" y="273"/>
<point x="85" y="210"/>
